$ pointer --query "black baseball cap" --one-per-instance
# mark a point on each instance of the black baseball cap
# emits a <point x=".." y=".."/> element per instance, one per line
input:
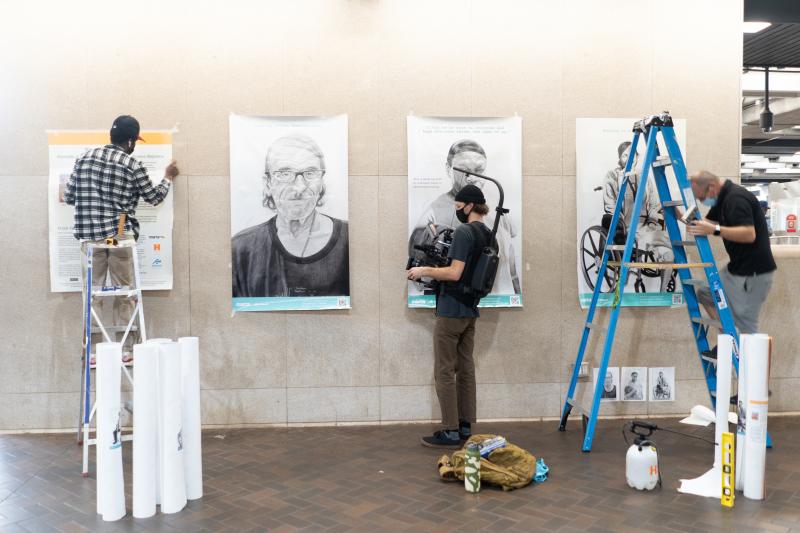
<point x="470" y="194"/>
<point x="125" y="127"/>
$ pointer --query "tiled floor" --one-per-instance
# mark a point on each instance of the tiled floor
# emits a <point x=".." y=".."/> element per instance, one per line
<point x="380" y="478"/>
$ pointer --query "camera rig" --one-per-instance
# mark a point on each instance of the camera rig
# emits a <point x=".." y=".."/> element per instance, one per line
<point x="434" y="249"/>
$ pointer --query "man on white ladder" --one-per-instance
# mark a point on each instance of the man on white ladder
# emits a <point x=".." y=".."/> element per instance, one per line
<point x="106" y="183"/>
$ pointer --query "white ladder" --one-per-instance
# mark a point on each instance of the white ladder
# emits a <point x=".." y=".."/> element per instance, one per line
<point x="93" y="324"/>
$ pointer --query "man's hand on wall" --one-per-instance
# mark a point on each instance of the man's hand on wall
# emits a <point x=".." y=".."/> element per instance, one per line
<point x="172" y="170"/>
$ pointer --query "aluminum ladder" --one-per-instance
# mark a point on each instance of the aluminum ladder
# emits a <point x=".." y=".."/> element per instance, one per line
<point x="93" y="324"/>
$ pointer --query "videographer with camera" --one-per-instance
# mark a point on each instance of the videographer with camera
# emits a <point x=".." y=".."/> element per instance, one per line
<point x="456" y="312"/>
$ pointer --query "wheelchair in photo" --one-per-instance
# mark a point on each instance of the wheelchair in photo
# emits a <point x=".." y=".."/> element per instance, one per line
<point x="592" y="245"/>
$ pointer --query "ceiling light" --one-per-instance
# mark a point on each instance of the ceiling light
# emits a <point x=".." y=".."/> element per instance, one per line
<point x="755" y="27"/>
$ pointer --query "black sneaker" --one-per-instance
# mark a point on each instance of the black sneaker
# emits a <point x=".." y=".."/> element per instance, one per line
<point x="464" y="430"/>
<point x="442" y="439"/>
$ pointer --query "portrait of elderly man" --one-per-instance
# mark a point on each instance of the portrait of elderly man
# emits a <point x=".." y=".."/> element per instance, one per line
<point x="300" y="251"/>
<point x="470" y="155"/>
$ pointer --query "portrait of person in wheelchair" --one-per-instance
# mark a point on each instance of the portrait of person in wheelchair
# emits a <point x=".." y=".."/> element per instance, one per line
<point x="651" y="245"/>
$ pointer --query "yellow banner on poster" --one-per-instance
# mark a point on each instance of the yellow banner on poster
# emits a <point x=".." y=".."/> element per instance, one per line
<point x="102" y="137"/>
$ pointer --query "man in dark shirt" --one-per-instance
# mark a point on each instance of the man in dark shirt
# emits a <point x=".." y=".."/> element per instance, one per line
<point x="299" y="251"/>
<point x="454" y="333"/>
<point x="736" y="216"/>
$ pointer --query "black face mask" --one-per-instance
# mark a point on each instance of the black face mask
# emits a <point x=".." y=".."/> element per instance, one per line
<point x="462" y="216"/>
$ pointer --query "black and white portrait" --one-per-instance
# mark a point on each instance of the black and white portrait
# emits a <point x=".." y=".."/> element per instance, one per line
<point x="437" y="147"/>
<point x="634" y="383"/>
<point x="609" y="384"/>
<point x="603" y="148"/>
<point x="294" y="243"/>
<point x="661" y="384"/>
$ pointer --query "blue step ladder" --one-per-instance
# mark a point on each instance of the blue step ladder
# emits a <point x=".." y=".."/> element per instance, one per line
<point x="649" y="129"/>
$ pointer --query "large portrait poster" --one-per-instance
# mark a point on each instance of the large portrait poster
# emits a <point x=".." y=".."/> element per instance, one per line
<point x="289" y="233"/>
<point x="488" y="146"/>
<point x="155" y="223"/>
<point x="602" y="149"/>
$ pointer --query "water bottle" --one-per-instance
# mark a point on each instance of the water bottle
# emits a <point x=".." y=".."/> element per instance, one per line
<point x="472" y="468"/>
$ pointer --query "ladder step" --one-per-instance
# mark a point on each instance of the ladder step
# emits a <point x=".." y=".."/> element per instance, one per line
<point x="576" y="407"/>
<point x="597" y="327"/>
<point x="656" y="265"/>
<point x="694" y="282"/>
<point x="127" y="293"/>
<point x="709" y="359"/>
<point x="707" y="321"/>
<point x="662" y="161"/>
<point x="114" y="329"/>
<point x="616" y="248"/>
<point x="684" y="243"/>
<point x="673" y="203"/>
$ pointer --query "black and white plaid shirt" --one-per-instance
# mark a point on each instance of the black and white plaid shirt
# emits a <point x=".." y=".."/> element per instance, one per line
<point x="105" y="183"/>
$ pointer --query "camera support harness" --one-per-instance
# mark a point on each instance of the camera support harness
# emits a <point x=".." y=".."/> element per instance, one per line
<point x="483" y="274"/>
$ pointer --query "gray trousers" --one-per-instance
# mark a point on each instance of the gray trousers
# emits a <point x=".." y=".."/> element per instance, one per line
<point x="745" y="295"/>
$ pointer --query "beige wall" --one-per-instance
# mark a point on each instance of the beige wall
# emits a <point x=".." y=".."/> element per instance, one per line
<point x="191" y="64"/>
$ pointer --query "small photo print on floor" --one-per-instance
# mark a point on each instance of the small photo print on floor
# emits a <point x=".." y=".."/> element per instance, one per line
<point x="661" y="384"/>
<point x="634" y="383"/>
<point x="609" y="384"/>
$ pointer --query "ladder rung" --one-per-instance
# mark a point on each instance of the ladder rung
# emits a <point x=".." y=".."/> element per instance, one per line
<point x="575" y="406"/>
<point x="616" y="248"/>
<point x="707" y="321"/>
<point x="694" y="282"/>
<point x="661" y="266"/>
<point x="673" y="203"/>
<point x="114" y="329"/>
<point x="662" y="161"/>
<point x="684" y="243"/>
<point x="117" y="292"/>
<point x="709" y="359"/>
<point x="597" y="327"/>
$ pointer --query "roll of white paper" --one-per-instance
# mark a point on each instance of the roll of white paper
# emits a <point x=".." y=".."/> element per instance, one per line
<point x="757" y="407"/>
<point x="724" y="357"/>
<point x="173" y="486"/>
<point x="109" y="433"/>
<point x="145" y="429"/>
<point x="192" y="445"/>
<point x="741" y="410"/>
<point x="158" y="427"/>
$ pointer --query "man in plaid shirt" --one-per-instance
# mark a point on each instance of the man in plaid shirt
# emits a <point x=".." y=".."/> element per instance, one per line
<point x="105" y="183"/>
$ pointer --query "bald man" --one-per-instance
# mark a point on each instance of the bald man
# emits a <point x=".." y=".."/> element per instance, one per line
<point x="299" y="251"/>
<point x="736" y="217"/>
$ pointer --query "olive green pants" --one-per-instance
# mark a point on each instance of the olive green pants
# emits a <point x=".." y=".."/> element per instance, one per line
<point x="454" y="369"/>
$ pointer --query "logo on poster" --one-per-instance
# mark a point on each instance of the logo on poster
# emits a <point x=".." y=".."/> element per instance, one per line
<point x="157" y="262"/>
<point x="157" y="247"/>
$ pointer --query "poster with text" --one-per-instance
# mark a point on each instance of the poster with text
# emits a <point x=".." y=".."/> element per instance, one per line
<point x="602" y="149"/>
<point x="154" y="246"/>
<point x="289" y="230"/>
<point x="488" y="146"/>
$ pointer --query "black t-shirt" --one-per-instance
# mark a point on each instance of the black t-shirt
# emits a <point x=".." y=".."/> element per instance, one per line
<point x="736" y="206"/>
<point x="461" y="250"/>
